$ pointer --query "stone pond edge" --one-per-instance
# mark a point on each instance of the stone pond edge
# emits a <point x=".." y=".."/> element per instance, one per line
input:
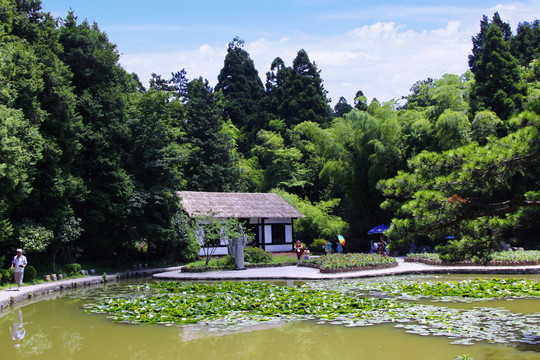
<point x="30" y="292"/>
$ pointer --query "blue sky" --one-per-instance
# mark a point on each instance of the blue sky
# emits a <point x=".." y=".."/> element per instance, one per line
<point x="381" y="47"/>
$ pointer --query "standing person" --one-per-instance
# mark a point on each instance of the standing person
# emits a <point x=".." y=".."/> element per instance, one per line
<point x="299" y="249"/>
<point x="382" y="247"/>
<point x="339" y="249"/>
<point x="306" y="253"/>
<point x="19" y="263"/>
<point x="328" y="247"/>
<point x="374" y="247"/>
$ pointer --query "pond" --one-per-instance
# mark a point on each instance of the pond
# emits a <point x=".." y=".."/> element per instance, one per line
<point x="59" y="328"/>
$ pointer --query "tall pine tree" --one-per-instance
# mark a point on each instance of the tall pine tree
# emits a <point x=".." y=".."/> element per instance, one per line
<point x="525" y="45"/>
<point x="211" y="165"/>
<point x="479" y="40"/>
<point x="498" y="84"/>
<point x="242" y="90"/>
<point x="296" y="94"/>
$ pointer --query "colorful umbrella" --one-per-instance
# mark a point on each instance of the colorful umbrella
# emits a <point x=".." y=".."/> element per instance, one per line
<point x="378" y="229"/>
<point x="341" y="240"/>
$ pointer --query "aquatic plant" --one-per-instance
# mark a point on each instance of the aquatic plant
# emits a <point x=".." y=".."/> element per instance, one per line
<point x="234" y="303"/>
<point x="466" y="290"/>
<point x="443" y="291"/>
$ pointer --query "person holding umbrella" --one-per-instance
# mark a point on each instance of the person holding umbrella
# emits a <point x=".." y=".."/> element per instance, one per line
<point x="19" y="263"/>
<point x="340" y="244"/>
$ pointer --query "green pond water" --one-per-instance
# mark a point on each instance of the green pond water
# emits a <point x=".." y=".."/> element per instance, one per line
<point x="58" y="328"/>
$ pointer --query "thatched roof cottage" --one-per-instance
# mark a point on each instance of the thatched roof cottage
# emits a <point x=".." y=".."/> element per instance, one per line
<point x="267" y="216"/>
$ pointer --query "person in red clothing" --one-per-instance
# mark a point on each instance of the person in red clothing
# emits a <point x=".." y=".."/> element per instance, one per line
<point x="299" y="249"/>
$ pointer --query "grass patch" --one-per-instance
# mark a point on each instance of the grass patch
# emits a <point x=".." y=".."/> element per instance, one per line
<point x="254" y="257"/>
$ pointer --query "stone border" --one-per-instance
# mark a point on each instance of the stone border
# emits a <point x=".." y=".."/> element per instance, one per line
<point x="470" y="263"/>
<point x="349" y="269"/>
<point x="247" y="266"/>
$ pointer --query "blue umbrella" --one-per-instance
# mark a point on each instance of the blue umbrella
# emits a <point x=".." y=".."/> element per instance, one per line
<point x="378" y="229"/>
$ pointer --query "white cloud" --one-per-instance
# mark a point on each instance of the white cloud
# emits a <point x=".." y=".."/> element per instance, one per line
<point x="383" y="59"/>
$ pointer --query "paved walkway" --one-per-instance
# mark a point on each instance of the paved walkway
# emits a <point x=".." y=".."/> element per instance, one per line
<point x="305" y="273"/>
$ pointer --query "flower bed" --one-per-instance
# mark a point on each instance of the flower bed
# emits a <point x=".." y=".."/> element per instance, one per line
<point x="503" y="258"/>
<point x="336" y="263"/>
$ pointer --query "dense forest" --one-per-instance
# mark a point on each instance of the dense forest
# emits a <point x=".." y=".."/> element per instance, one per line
<point x="90" y="159"/>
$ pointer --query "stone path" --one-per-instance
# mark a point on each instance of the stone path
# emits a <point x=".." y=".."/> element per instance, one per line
<point x="305" y="273"/>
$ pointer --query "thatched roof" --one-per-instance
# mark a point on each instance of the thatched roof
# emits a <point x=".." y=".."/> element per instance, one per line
<point x="238" y="205"/>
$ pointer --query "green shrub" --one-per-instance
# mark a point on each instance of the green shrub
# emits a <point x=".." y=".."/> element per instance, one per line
<point x="256" y="255"/>
<point x="3" y="276"/>
<point x="29" y="273"/>
<point x="72" y="269"/>
<point x="479" y="250"/>
<point x="317" y="246"/>
<point x="225" y="261"/>
<point x="6" y="275"/>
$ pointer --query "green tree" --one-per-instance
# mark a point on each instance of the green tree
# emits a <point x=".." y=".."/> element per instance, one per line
<point x="102" y="88"/>
<point x="485" y="124"/>
<point x="211" y="165"/>
<point x="357" y="150"/>
<point x="242" y="90"/>
<point x="21" y="146"/>
<point x="35" y="238"/>
<point x="477" y="193"/>
<point x="360" y="101"/>
<point x="497" y="84"/>
<point x="531" y="76"/>
<point x="453" y="130"/>
<point x="281" y="164"/>
<point x="37" y="82"/>
<point x="479" y="40"/>
<point x="212" y="232"/>
<point x="319" y="221"/>
<point x="295" y="94"/>
<point x="68" y="233"/>
<point x="154" y="159"/>
<point x="525" y="45"/>
<point x="342" y="107"/>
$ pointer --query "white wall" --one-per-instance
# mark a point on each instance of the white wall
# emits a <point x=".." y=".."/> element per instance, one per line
<point x="288" y="234"/>
<point x="219" y="251"/>
<point x="267" y="234"/>
<point x="279" y="248"/>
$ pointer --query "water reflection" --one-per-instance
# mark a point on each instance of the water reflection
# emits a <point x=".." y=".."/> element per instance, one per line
<point x="17" y="330"/>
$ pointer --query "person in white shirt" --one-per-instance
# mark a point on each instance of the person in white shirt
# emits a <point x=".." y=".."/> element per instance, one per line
<point x="19" y="262"/>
